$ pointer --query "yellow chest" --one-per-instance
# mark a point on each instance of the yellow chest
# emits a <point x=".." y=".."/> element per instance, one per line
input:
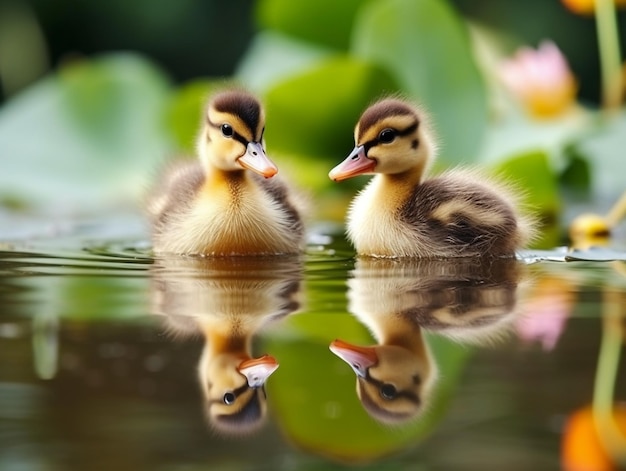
<point x="374" y="226"/>
<point x="228" y="220"/>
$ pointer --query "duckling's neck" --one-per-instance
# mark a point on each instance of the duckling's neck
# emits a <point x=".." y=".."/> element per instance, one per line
<point x="389" y="191"/>
<point x="225" y="337"/>
<point x="393" y="329"/>
<point x="232" y="181"/>
<point x="405" y="180"/>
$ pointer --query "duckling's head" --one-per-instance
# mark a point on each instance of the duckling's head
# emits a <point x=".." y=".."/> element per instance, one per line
<point x="232" y="135"/>
<point x="393" y="383"/>
<point x="234" y="390"/>
<point x="391" y="137"/>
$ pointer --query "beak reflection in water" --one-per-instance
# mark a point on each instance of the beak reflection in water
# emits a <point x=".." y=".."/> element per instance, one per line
<point x="468" y="300"/>
<point x="228" y="300"/>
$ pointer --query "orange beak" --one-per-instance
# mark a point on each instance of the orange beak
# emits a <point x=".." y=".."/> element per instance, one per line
<point x="357" y="163"/>
<point x="256" y="159"/>
<point x="359" y="358"/>
<point x="257" y="370"/>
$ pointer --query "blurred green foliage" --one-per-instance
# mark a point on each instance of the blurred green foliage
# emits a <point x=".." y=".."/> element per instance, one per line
<point x="96" y="130"/>
<point x="312" y="114"/>
<point x="325" y="22"/>
<point x="87" y="136"/>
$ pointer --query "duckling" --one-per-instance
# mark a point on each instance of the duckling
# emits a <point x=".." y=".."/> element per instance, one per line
<point x="394" y="377"/>
<point x="228" y="202"/>
<point x="400" y="299"/>
<point x="389" y="377"/>
<point x="228" y="300"/>
<point x="402" y="214"/>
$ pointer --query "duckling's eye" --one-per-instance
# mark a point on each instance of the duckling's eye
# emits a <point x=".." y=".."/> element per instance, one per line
<point x="388" y="391"/>
<point x="386" y="136"/>
<point x="227" y="130"/>
<point x="229" y="398"/>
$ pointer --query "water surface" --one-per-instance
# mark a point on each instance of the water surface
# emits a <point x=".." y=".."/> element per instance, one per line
<point x="114" y="359"/>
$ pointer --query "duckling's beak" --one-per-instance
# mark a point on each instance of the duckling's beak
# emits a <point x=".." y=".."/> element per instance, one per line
<point x="357" y="163"/>
<point x="256" y="160"/>
<point x="359" y="358"/>
<point x="257" y="370"/>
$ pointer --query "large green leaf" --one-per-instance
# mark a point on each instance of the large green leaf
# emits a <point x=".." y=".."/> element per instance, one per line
<point x="184" y="115"/>
<point x="88" y="136"/>
<point x="426" y="47"/>
<point x="532" y="175"/>
<point x="272" y="57"/>
<point x="517" y="133"/>
<point x="311" y="116"/>
<point x="325" y="22"/>
<point x="604" y="151"/>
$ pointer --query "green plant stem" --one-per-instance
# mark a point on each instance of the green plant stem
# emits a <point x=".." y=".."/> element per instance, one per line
<point x="606" y="372"/>
<point x="608" y="357"/>
<point x="617" y="212"/>
<point x="610" y="55"/>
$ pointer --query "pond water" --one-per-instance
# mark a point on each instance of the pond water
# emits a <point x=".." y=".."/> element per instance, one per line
<point x="112" y="359"/>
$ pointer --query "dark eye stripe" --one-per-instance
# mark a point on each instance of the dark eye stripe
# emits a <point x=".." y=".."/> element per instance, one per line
<point x="236" y="393"/>
<point x="399" y="393"/>
<point x="404" y="132"/>
<point x="238" y="137"/>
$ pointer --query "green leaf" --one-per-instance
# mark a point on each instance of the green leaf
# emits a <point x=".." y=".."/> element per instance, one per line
<point x="425" y="45"/>
<point x="325" y="22"/>
<point x="532" y="175"/>
<point x="311" y="116"/>
<point x="87" y="137"/>
<point x="184" y="115"/>
<point x="604" y="150"/>
<point x="518" y="133"/>
<point x="272" y="57"/>
<point x="577" y="173"/>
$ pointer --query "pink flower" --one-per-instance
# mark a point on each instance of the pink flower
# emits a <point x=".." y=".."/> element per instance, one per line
<point x="540" y="79"/>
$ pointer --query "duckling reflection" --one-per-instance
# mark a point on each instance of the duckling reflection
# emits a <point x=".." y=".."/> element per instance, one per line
<point x="228" y="300"/>
<point x="396" y="299"/>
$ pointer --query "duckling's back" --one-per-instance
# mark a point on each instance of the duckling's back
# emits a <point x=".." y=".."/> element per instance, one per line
<point x="464" y="214"/>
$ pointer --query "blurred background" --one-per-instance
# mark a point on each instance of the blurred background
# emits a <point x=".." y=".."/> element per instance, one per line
<point x="95" y="96"/>
<point x="193" y="38"/>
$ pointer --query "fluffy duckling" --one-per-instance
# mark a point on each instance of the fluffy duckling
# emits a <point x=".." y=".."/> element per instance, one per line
<point x="398" y="299"/>
<point x="227" y="202"/>
<point x="228" y="300"/>
<point x="401" y="214"/>
<point x="389" y="377"/>
<point x="394" y="377"/>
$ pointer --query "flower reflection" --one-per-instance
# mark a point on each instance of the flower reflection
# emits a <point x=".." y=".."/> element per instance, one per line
<point x="227" y="301"/>
<point x="594" y="437"/>
<point x="582" y="446"/>
<point x="541" y="80"/>
<point x="546" y="311"/>
<point x="468" y="300"/>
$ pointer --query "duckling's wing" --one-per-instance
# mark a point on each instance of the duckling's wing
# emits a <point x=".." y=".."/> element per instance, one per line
<point x="465" y="214"/>
<point x="180" y="182"/>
